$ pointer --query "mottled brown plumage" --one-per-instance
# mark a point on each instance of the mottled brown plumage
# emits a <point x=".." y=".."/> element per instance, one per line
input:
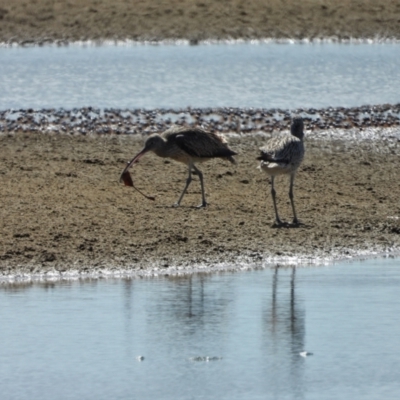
<point x="189" y="146"/>
<point x="283" y="155"/>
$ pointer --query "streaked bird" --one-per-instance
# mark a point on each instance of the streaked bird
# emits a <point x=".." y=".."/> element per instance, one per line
<point x="189" y="146"/>
<point x="283" y="155"/>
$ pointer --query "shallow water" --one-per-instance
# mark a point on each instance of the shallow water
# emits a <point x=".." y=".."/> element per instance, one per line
<point x="242" y="75"/>
<point x="82" y="339"/>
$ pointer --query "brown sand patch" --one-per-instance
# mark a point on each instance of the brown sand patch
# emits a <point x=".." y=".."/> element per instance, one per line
<point x="42" y="20"/>
<point x="62" y="206"/>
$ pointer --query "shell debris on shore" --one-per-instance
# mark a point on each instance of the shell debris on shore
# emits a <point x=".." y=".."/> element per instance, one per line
<point x="91" y="120"/>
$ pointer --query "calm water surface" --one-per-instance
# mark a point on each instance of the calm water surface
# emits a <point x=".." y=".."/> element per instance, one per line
<point x="81" y="340"/>
<point x="241" y="75"/>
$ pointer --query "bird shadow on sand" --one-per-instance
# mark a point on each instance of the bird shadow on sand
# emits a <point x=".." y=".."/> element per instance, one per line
<point x="181" y="207"/>
<point x="290" y="225"/>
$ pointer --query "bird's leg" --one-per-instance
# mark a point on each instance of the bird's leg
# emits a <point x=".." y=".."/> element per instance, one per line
<point x="203" y="197"/>
<point x="273" y="194"/>
<point x="188" y="180"/>
<point x="295" y="220"/>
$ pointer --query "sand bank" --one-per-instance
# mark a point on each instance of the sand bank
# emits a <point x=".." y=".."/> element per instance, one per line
<point x="64" y="210"/>
<point x="43" y="21"/>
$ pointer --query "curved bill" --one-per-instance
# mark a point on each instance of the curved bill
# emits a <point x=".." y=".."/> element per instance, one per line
<point x="133" y="161"/>
<point x="126" y="177"/>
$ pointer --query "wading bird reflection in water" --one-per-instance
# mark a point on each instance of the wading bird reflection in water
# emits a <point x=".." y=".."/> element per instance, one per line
<point x="283" y="155"/>
<point x="186" y="145"/>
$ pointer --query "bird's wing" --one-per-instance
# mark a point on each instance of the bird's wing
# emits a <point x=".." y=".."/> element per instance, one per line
<point x="280" y="150"/>
<point x="201" y="144"/>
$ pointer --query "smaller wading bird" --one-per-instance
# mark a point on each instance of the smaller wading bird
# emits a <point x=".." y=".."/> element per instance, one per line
<point x="283" y="155"/>
<point x="186" y="145"/>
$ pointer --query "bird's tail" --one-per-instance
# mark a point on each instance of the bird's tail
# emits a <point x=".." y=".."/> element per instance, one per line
<point x="269" y="158"/>
<point x="231" y="159"/>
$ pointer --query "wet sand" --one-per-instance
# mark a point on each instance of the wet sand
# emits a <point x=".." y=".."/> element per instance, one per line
<point x="42" y="21"/>
<point x="63" y="209"/>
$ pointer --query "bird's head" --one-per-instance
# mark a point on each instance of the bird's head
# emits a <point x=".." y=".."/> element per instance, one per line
<point x="297" y="127"/>
<point x="153" y="142"/>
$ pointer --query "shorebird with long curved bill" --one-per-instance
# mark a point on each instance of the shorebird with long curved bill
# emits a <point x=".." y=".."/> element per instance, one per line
<point x="186" y="145"/>
<point x="282" y="155"/>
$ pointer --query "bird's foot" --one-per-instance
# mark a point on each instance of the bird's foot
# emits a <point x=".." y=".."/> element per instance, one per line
<point x="175" y="205"/>
<point x="296" y="222"/>
<point x="278" y="223"/>
<point x="202" y="205"/>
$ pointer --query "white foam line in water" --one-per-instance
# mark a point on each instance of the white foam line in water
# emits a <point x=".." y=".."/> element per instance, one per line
<point x="357" y="134"/>
<point x="187" y="42"/>
<point x="242" y="264"/>
<point x="371" y="134"/>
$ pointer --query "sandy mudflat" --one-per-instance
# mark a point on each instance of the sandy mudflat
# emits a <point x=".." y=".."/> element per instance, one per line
<point x="63" y="208"/>
<point x="49" y="20"/>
